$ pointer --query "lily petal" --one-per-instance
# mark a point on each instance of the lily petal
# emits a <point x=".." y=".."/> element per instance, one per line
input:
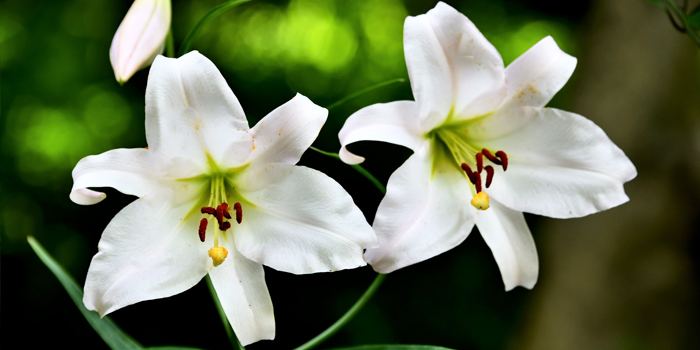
<point x="506" y="233"/>
<point x="130" y="171"/>
<point x="538" y="74"/>
<point x="476" y="72"/>
<point x="287" y="132"/>
<point x="394" y="122"/>
<point x="191" y="111"/>
<point x="561" y="164"/>
<point x="425" y="212"/>
<point x="240" y="286"/>
<point x="299" y="220"/>
<point x="429" y="72"/>
<point x="148" y="251"/>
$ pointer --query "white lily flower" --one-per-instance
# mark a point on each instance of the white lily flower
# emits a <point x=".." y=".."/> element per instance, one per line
<point x="472" y="120"/>
<point x="201" y="157"/>
<point x="140" y="37"/>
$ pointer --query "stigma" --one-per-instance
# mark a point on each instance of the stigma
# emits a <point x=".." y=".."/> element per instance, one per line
<point x="218" y="255"/>
<point x="481" y="201"/>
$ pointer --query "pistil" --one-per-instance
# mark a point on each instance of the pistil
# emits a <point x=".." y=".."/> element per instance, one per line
<point x="481" y="200"/>
<point x="222" y="215"/>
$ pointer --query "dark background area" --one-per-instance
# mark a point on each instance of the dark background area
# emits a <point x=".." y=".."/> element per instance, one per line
<point x="623" y="279"/>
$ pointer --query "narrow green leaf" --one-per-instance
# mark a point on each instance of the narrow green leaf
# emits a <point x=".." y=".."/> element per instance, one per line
<point x="393" y="347"/>
<point x="364" y="91"/>
<point x="357" y="167"/>
<point x="170" y="44"/>
<point x="213" y="13"/>
<point x="693" y="20"/>
<point x="105" y="327"/>
<point x="346" y="317"/>
<point x="235" y="343"/>
<point x="171" y="348"/>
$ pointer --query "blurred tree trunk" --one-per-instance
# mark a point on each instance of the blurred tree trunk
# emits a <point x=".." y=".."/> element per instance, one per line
<point x="625" y="278"/>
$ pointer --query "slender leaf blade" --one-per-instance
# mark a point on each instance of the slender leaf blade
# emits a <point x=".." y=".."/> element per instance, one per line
<point x="357" y="167"/>
<point x="394" y="347"/>
<point x="213" y="13"/>
<point x="693" y="20"/>
<point x="105" y="327"/>
<point x="171" y="348"/>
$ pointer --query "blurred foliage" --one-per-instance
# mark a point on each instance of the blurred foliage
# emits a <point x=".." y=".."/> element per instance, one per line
<point x="60" y="102"/>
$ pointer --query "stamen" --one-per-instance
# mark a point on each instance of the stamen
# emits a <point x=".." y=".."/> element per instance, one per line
<point x="491" y="157"/>
<point x="209" y="210"/>
<point x="220" y="213"/>
<point x="218" y="254"/>
<point x="479" y="162"/>
<point x="203" y="229"/>
<point x="469" y="172"/>
<point x="504" y="159"/>
<point x="481" y="201"/>
<point x="239" y="212"/>
<point x="489" y="175"/>
<point x="225" y="226"/>
<point x="227" y="214"/>
<point x="477" y="183"/>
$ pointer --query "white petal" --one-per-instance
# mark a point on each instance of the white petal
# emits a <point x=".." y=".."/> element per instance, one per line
<point x="506" y="233"/>
<point x="288" y="131"/>
<point x="477" y="72"/>
<point x="425" y="212"/>
<point x="240" y="286"/>
<point x="394" y="122"/>
<point x="429" y="72"/>
<point x="561" y="164"/>
<point x="298" y="220"/>
<point x="130" y="171"/>
<point x="149" y="250"/>
<point x="140" y="37"/>
<point x="535" y="76"/>
<point x="191" y="111"/>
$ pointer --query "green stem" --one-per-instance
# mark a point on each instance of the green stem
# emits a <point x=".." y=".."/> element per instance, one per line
<point x="357" y="167"/>
<point x="213" y="13"/>
<point x="345" y="318"/>
<point x="671" y="5"/>
<point x="229" y="331"/>
<point x="364" y="91"/>
<point x="170" y="44"/>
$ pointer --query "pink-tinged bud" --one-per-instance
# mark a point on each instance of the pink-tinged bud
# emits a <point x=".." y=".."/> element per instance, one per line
<point x="140" y="37"/>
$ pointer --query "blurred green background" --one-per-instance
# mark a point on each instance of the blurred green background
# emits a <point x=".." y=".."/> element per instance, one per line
<point x="623" y="279"/>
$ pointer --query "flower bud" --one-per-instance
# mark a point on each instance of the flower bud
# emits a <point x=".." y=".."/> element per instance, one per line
<point x="140" y="37"/>
<point x="218" y="255"/>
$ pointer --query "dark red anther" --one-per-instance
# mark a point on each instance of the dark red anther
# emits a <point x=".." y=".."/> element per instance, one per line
<point x="220" y="212"/>
<point x="491" y="157"/>
<point x="209" y="210"/>
<point x="489" y="175"/>
<point x="239" y="212"/>
<point x="224" y="226"/>
<point x="470" y="173"/>
<point x="227" y="214"/>
<point x="477" y="183"/>
<point x="479" y="162"/>
<point x="504" y="159"/>
<point x="202" y="229"/>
